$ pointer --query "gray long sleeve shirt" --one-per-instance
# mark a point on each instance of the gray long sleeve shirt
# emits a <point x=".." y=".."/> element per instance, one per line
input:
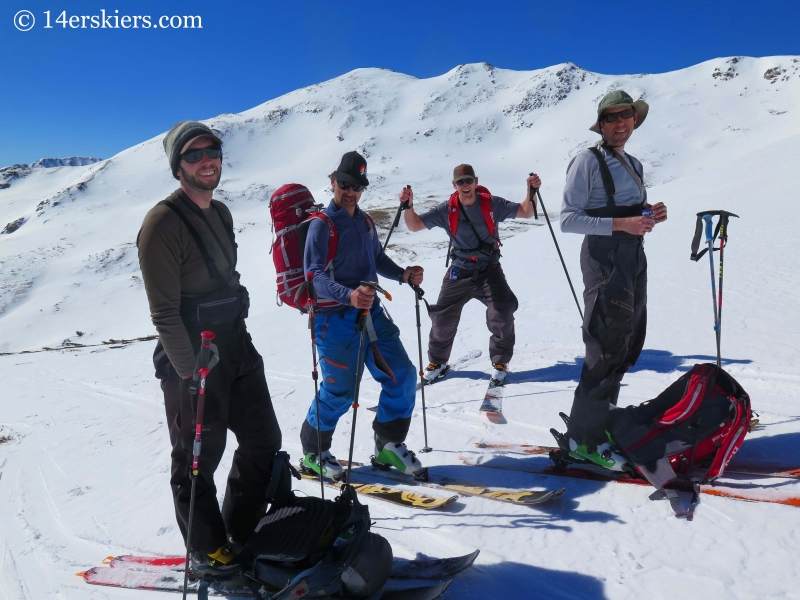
<point x="584" y="189"/>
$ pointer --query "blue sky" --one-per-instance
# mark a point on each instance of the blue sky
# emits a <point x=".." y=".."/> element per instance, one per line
<point x="96" y="91"/>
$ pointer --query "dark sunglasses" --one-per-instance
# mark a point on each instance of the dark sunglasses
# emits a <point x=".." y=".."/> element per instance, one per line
<point x="196" y="155"/>
<point x="346" y="185"/>
<point x="467" y="181"/>
<point x="623" y="114"/>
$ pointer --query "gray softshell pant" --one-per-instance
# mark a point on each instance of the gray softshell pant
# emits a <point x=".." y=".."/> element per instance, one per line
<point x="491" y="289"/>
<point x="614" y="326"/>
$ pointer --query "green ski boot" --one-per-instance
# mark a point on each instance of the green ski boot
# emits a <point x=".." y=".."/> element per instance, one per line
<point x="602" y="456"/>
<point x="330" y="466"/>
<point x="398" y="456"/>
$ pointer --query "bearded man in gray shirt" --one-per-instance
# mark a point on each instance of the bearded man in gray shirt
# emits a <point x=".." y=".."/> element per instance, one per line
<point x="605" y="199"/>
<point x="471" y="217"/>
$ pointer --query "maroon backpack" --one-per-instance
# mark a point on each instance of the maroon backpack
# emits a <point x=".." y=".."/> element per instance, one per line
<point x="292" y="207"/>
<point x="700" y="421"/>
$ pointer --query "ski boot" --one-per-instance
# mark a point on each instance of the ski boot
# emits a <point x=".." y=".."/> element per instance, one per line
<point x="223" y="563"/>
<point x="605" y="455"/>
<point x="397" y="455"/>
<point x="499" y="373"/>
<point x="435" y="371"/>
<point x="330" y="466"/>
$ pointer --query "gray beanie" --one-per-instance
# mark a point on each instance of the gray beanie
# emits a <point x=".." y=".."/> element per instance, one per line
<point x="181" y="134"/>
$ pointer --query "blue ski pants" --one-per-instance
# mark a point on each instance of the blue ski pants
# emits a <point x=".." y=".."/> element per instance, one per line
<point x="385" y="359"/>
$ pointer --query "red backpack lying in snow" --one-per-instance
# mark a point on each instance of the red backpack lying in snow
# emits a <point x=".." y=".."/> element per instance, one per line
<point x="292" y="207"/>
<point x="700" y="420"/>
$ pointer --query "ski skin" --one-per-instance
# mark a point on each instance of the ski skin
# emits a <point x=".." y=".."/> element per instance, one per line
<point x="492" y="406"/>
<point x="390" y="494"/>
<point x="172" y="581"/>
<point x="421" y="568"/>
<point x="521" y="498"/>
<point x="750" y="470"/>
<point x="581" y="472"/>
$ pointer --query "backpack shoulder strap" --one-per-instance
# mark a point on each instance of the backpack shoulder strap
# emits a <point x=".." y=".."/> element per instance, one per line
<point x="210" y="264"/>
<point x="333" y="237"/>
<point x="605" y="174"/>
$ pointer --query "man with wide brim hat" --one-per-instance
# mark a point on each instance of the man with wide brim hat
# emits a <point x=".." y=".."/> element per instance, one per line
<point x="605" y="199"/>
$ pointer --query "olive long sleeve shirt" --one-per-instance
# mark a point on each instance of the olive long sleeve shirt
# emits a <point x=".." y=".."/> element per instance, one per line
<point x="173" y="267"/>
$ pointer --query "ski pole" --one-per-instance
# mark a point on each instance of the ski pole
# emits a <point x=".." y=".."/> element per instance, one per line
<point x="418" y="293"/>
<point x="312" y="311"/>
<point x="362" y="326"/>
<point x="709" y="227"/>
<point x="403" y="206"/>
<point x="723" y="239"/>
<point x="204" y="366"/>
<point x="544" y="210"/>
<point x="705" y="222"/>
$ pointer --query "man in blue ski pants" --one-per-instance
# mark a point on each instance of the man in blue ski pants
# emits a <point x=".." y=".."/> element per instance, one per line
<point x="341" y="299"/>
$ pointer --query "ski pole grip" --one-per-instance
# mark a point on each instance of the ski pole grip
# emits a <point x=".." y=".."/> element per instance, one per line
<point x="533" y="200"/>
<point x="206" y="338"/>
<point x="709" y="221"/>
<point x="312" y="296"/>
<point x="404" y="205"/>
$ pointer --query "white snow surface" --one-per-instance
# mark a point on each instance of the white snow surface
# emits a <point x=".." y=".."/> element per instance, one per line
<point x="84" y="471"/>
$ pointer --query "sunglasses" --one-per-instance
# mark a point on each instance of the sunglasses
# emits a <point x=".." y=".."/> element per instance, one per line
<point x="623" y="114"/>
<point x="346" y="185"/>
<point x="467" y="181"/>
<point x="196" y="155"/>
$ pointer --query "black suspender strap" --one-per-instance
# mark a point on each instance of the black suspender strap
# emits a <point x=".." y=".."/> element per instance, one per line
<point x="196" y="210"/>
<point x="605" y="174"/>
<point x="210" y="264"/>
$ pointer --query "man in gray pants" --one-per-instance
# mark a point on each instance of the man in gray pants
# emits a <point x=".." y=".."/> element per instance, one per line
<point x="605" y="199"/>
<point x="470" y="217"/>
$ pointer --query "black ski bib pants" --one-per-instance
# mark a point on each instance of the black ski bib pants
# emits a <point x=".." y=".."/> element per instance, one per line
<point x="614" y="326"/>
<point x="236" y="398"/>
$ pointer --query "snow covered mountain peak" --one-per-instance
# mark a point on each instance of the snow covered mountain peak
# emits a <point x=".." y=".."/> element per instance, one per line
<point x="63" y="230"/>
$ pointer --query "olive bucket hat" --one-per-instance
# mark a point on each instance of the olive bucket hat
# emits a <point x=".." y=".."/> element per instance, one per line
<point x="619" y="98"/>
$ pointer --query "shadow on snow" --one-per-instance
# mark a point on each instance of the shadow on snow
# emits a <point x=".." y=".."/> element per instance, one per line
<point x="658" y="361"/>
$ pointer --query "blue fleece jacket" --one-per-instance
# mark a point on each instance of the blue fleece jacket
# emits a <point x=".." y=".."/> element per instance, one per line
<point x="359" y="257"/>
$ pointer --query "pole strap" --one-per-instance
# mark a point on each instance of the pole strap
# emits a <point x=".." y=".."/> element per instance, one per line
<point x="722" y="224"/>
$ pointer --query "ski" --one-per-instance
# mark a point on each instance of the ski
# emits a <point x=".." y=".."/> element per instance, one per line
<point x="439" y="377"/>
<point x="447" y="484"/>
<point x="389" y="493"/>
<point x="590" y="473"/>
<point x="455" y="365"/>
<point x="738" y="466"/>
<point x="161" y="580"/>
<point x="166" y="580"/>
<point x="402" y="568"/>
<point x="492" y="406"/>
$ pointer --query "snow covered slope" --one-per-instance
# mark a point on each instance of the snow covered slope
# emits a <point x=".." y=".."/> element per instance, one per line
<point x="86" y="471"/>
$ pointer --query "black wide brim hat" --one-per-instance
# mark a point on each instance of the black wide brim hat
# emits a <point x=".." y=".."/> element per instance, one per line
<point x="352" y="169"/>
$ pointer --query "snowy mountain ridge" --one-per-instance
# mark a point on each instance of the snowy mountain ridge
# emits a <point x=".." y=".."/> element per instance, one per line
<point x="504" y="122"/>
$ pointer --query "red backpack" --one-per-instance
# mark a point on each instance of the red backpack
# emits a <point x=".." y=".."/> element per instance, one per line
<point x="292" y="207"/>
<point x="699" y="421"/>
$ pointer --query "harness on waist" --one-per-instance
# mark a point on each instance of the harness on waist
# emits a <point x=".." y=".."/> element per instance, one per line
<point x="454" y="210"/>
